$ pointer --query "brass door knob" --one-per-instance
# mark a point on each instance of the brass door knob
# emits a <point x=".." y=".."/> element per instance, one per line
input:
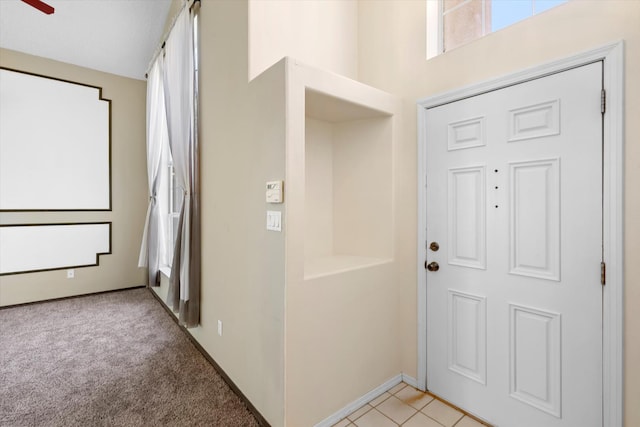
<point x="433" y="266"/>
<point x="434" y="246"/>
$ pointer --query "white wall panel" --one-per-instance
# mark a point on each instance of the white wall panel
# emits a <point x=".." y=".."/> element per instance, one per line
<point x="29" y="248"/>
<point x="54" y="144"/>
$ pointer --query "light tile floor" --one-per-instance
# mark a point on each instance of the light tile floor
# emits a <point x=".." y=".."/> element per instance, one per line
<point x="405" y="406"/>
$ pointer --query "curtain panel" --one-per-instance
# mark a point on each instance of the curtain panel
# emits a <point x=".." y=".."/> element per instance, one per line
<point x="153" y="248"/>
<point x="179" y="91"/>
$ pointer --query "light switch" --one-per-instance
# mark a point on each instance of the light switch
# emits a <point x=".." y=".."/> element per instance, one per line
<point x="274" y="192"/>
<point x="274" y="220"/>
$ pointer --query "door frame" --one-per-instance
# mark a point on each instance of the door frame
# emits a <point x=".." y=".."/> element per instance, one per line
<point x="612" y="56"/>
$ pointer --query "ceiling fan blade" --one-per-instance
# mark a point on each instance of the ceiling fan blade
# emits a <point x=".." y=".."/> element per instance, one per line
<point x="41" y="6"/>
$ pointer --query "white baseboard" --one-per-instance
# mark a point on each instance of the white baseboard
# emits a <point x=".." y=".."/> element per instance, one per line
<point x="407" y="379"/>
<point x="361" y="401"/>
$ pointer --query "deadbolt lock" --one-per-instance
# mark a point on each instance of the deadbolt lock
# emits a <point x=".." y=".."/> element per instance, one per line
<point x="434" y="246"/>
<point x="433" y="266"/>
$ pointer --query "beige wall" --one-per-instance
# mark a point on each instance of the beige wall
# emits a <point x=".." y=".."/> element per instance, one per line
<point x="319" y="182"/>
<point x="321" y="33"/>
<point x="302" y="352"/>
<point x="342" y="302"/>
<point x="243" y="274"/>
<point x="128" y="190"/>
<point x="174" y="9"/>
<point x="243" y="269"/>
<point x="391" y="57"/>
<point x="242" y="147"/>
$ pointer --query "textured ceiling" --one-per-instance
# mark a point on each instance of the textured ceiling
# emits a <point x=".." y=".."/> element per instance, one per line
<point x="115" y="36"/>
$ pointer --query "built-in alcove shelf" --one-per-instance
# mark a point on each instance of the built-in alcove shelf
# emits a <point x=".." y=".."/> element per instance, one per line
<point x="348" y="183"/>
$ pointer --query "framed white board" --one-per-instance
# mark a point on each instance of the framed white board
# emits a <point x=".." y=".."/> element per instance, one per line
<point x="42" y="247"/>
<point x="55" y="144"/>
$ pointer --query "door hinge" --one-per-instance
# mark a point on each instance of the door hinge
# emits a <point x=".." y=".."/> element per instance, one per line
<point x="603" y="101"/>
<point x="603" y="273"/>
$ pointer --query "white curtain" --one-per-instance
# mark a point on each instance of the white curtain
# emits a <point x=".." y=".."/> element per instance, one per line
<point x="179" y="86"/>
<point x="153" y="248"/>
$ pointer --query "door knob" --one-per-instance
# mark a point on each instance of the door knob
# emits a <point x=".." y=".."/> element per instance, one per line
<point x="433" y="266"/>
<point x="434" y="246"/>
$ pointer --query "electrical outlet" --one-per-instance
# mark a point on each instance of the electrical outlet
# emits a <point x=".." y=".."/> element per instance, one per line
<point x="220" y="327"/>
<point x="71" y="273"/>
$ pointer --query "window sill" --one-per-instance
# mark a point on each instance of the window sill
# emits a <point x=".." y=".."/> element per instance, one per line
<point x="166" y="271"/>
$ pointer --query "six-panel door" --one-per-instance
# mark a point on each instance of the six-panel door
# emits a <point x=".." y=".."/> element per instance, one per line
<point x="514" y="200"/>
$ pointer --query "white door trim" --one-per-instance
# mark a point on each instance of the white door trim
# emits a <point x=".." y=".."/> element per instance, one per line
<point x="613" y="210"/>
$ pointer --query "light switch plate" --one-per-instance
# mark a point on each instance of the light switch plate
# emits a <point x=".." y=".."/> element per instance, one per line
<point x="274" y="220"/>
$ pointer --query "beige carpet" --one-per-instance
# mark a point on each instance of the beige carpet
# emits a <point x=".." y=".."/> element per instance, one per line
<point x="113" y="359"/>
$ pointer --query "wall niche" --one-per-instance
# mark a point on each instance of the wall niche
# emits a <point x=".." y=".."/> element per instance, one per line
<point x="348" y="185"/>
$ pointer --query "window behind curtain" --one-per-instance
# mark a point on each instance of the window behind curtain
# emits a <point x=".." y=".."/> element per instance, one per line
<point x="174" y="194"/>
<point x="170" y="192"/>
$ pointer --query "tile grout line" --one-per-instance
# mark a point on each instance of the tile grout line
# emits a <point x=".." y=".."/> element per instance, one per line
<point x="359" y="416"/>
<point x="462" y="411"/>
<point x="385" y="415"/>
<point x="420" y="412"/>
<point x="431" y="418"/>
<point x="394" y="394"/>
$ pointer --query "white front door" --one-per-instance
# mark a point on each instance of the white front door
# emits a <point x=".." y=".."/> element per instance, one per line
<point x="514" y="202"/>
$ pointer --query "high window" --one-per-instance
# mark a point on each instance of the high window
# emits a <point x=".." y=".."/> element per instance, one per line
<point x="452" y="23"/>
<point x="172" y="128"/>
<point x="171" y="192"/>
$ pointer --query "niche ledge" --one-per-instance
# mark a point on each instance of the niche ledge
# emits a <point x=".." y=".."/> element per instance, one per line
<point x="337" y="264"/>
